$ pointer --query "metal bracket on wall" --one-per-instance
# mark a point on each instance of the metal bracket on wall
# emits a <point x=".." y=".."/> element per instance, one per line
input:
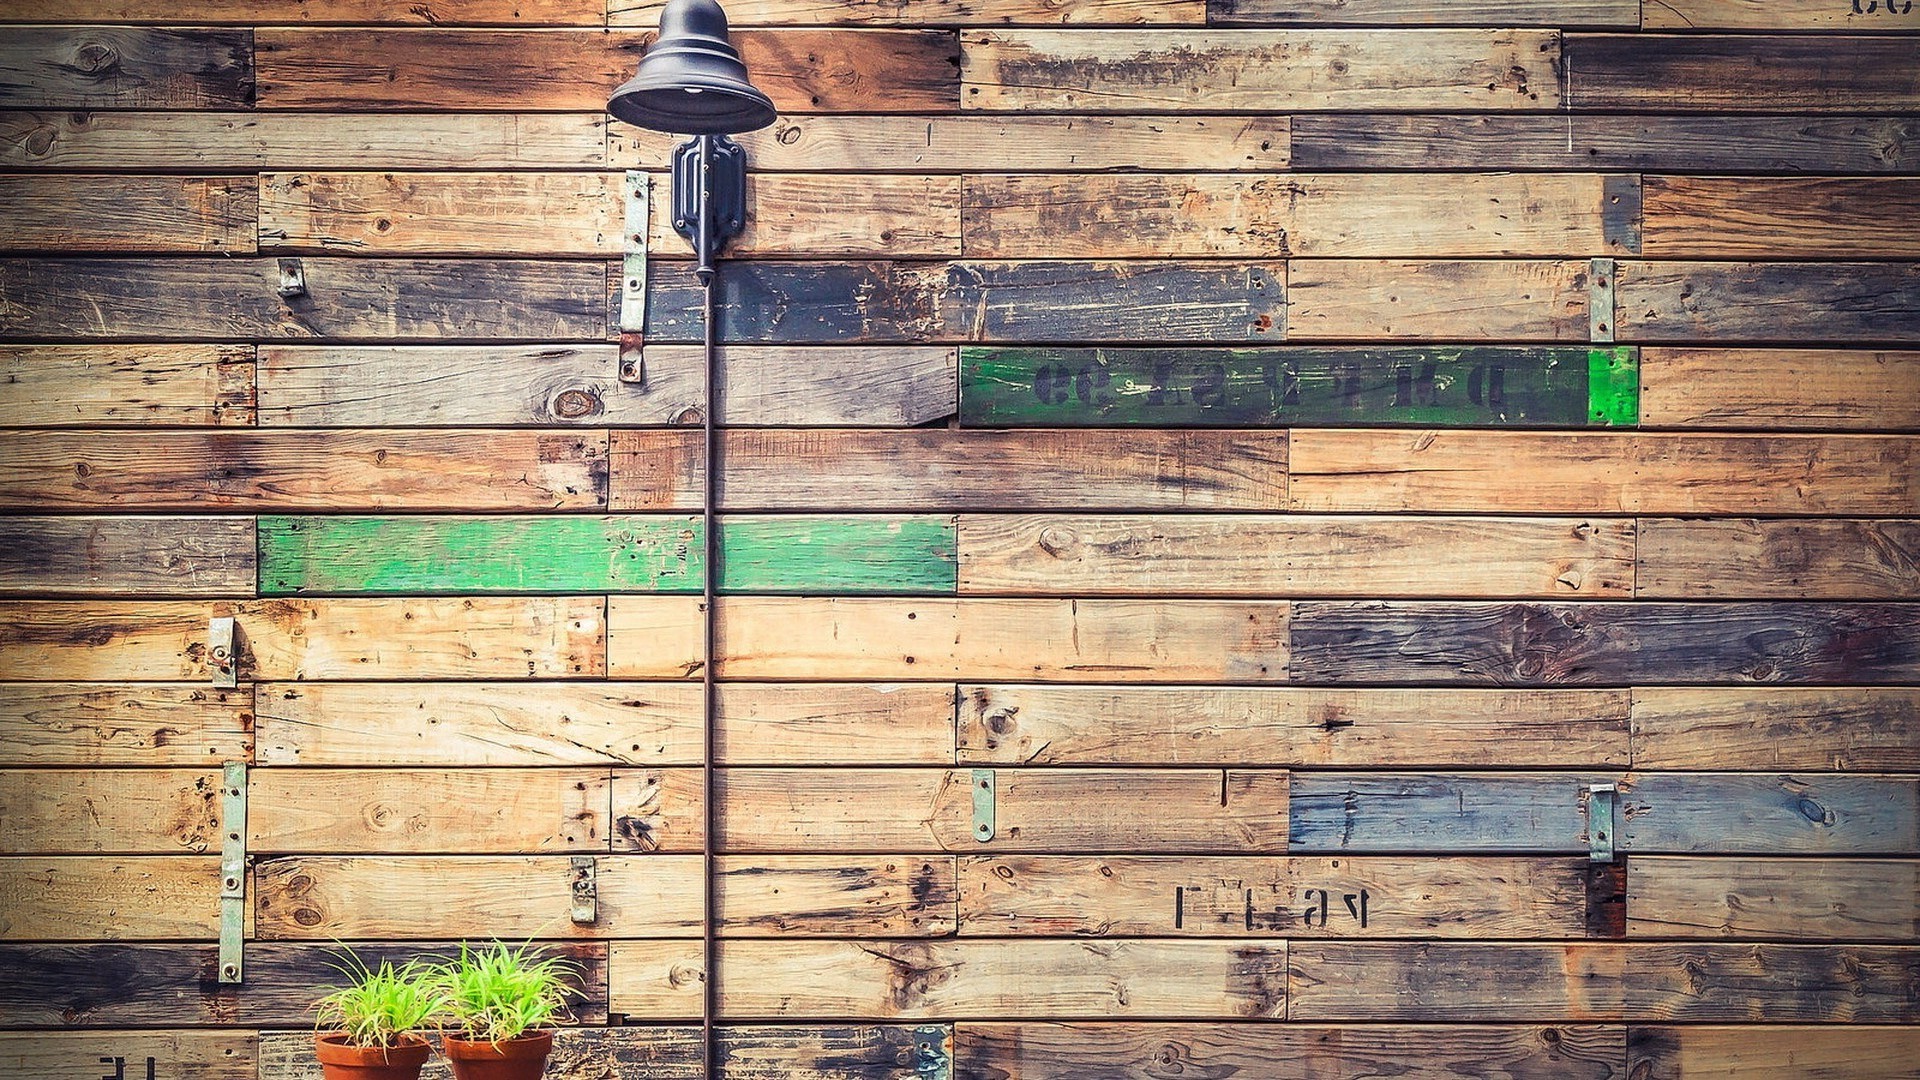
<point x="293" y="279"/>
<point x="586" y="891"/>
<point x="932" y="1060"/>
<point x="984" y="785"/>
<point x="633" y="278"/>
<point x="233" y="870"/>
<point x="1600" y="300"/>
<point x="1603" y="815"/>
<point x="222" y="658"/>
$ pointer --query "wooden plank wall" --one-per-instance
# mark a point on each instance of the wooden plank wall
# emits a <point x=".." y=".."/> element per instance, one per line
<point x="1293" y="449"/>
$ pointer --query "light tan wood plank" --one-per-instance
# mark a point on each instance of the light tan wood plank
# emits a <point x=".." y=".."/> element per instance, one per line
<point x="1200" y="896"/>
<point x="76" y="1055"/>
<point x="836" y="895"/>
<point x="1816" y="899"/>
<point x="184" y="385"/>
<point x="931" y="12"/>
<point x="1195" y="725"/>
<point x="835" y="724"/>
<point x="1460" y="301"/>
<point x="111" y="811"/>
<point x="124" y="724"/>
<point x="353" y="12"/>
<point x="468" y="811"/>
<point x="109" y="899"/>
<point x="1842" y="729"/>
<point x="945" y="640"/>
<point x="1747" y="1052"/>
<point x="84" y="641"/>
<point x="127" y="556"/>
<point x="1780" y="217"/>
<point x="1259" y="70"/>
<point x="116" y="213"/>
<point x="1773" y="389"/>
<point x="954" y="979"/>
<point x="1294" y="555"/>
<point x="1768" y="559"/>
<point x="1622" y="13"/>
<point x="1863" y="17"/>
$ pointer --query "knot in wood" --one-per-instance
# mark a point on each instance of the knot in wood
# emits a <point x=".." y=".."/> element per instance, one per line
<point x="1055" y="539"/>
<point x="575" y="404"/>
<point x="96" y="58"/>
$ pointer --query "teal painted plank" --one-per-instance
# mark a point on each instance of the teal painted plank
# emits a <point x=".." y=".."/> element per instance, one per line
<point x="1438" y="813"/>
<point x="1459" y="386"/>
<point x="890" y="555"/>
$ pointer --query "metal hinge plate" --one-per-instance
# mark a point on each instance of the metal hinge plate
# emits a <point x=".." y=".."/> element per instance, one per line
<point x="932" y="1058"/>
<point x="984" y="785"/>
<point x="586" y="891"/>
<point x="1603" y="815"/>
<point x="233" y="870"/>
<point x="222" y="660"/>
<point x="1600" y="300"/>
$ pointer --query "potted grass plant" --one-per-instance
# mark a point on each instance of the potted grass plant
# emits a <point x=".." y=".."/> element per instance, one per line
<point x="498" y="1007"/>
<point x="377" y="1019"/>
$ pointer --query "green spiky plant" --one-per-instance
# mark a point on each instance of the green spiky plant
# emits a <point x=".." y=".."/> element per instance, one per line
<point x="495" y="993"/>
<point x="379" y="1005"/>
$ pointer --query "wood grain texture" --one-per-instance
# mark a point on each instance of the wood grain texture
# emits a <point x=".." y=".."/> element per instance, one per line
<point x="1481" y="471"/>
<point x="1441" y="814"/>
<point x="1483" y="300"/>
<point x="1747" y="218"/>
<point x="1293" y="555"/>
<point x="1704" y="1052"/>
<point x="56" y="898"/>
<point x="1759" y="15"/>
<point x="1726" y="73"/>
<point x="955" y="979"/>
<point x="1829" y="729"/>
<point x="1571" y="644"/>
<point x="1258" y="70"/>
<point x="1749" y="814"/>
<point x="119" y="385"/>
<point x="305" y="470"/>
<point x="934" y="13"/>
<point x="841" y="638"/>
<point x="1585" y="13"/>
<point x="779" y="896"/>
<point x="81" y="724"/>
<point x="188" y="1055"/>
<point x="1746" y="558"/>
<point x="1770" y="389"/>
<point x="1798" y="899"/>
<point x="1195" y="725"/>
<point x="1298" y="896"/>
<point x="936" y="469"/>
<point x="125" y="67"/>
<point x="121" y="556"/>
<point x="1790" y="303"/>
<point x="469" y="811"/>
<point x="353" y="12"/>
<point x="835" y="724"/>
<point x="111" y="811"/>
<point x="109" y="213"/>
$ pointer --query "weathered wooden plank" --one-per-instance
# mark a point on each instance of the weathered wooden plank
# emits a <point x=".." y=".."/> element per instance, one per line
<point x="104" y="899"/>
<point x="341" y="298"/>
<point x="1446" y="386"/>
<point x="1583" y="13"/>
<point x="930" y="639"/>
<point x="120" y="556"/>
<point x="111" y="811"/>
<point x="934" y="13"/>
<point x="1258" y="70"/>
<point x="1293" y="555"/>
<point x="544" y="214"/>
<point x="836" y="895"/>
<point x="1817" y="899"/>
<point x="980" y="142"/>
<point x="659" y="810"/>
<point x="936" y="469"/>
<point x="955" y="979"/>
<point x="1108" y="725"/>
<point x="1785" y="560"/>
<point x="187" y="1055"/>
<point x="1482" y="471"/>
<point x="114" y="986"/>
<point x="253" y="140"/>
<point x="803" y="71"/>
<point x="863" y="554"/>
<point x="1760" y="15"/>
<point x="1482" y="300"/>
<point x="1709" y="73"/>
<point x="1299" y="214"/>
<point x="130" y="213"/>
<point x="175" y="385"/>
<point x="1242" y="897"/>
<point x="125" y="67"/>
<point x="1708" y="144"/>
<point x="1769" y="302"/>
<point x="1748" y="814"/>
<point x="352" y="12"/>
<point x="1771" y="389"/>
<point x="1426" y="1052"/>
<point x="124" y="724"/>
<point x="1451" y="981"/>
<point x="834" y="724"/>
<point x="1440" y="814"/>
<point x="149" y="640"/>
<point x="1838" y="729"/>
<point x="1703" y="1052"/>
<point x="305" y="470"/>
<point x="1824" y="218"/>
<point x="1601" y="644"/>
<point x="477" y="811"/>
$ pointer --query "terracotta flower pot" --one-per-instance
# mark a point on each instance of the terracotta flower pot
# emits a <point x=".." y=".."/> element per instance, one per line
<point x="341" y="1060"/>
<point x="524" y="1058"/>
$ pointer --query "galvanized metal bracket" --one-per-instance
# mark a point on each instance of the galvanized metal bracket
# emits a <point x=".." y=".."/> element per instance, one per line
<point x="1600" y="300"/>
<point x="222" y="658"/>
<point x="984" y="791"/>
<point x="1603" y="816"/>
<point x="586" y="891"/>
<point x="931" y="1058"/>
<point x="233" y="870"/>
<point x="633" y="277"/>
<point x="293" y="279"/>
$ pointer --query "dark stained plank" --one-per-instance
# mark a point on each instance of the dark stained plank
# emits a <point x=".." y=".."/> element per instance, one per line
<point x="1872" y="729"/>
<point x="313" y="470"/>
<point x="115" y="385"/>
<point x="1580" y="13"/>
<point x="1753" y="1052"/>
<point x="1862" y="15"/>
<point x="1792" y="898"/>
<point x="1755" y="559"/>
<point x="932" y="12"/>
<point x="1478" y="300"/>
<point x="109" y="213"/>
<point x="1711" y="73"/>
<point x="125" y="67"/>
<point x="1789" y="303"/>
<point x="183" y="1054"/>
<point x="126" y="556"/>
<point x="1752" y="218"/>
<point x="1599" y="644"/>
<point x="343" y="298"/>
<point x="1775" y="389"/>
<point x="353" y="12"/>
<point x="1749" y="814"/>
<point x="82" y="724"/>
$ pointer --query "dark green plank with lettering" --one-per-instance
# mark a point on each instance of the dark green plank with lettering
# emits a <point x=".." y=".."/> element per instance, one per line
<point x="1448" y="386"/>
<point x="882" y="555"/>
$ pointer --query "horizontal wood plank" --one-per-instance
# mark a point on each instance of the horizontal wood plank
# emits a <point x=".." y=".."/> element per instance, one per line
<point x="1759" y="15"/>
<point x="188" y="1055"/>
<point x="478" y="811"/>
<point x="353" y="12"/>
<point x="1802" y="899"/>
<point x="106" y="899"/>
<point x="781" y="896"/>
<point x="124" y="724"/>
<point x="1747" y="558"/>
<point x="1788" y="303"/>
<point x="1482" y="300"/>
<point x="932" y="13"/>
<point x="127" y="556"/>
<point x="118" y="385"/>
<point x="111" y="213"/>
<point x="125" y="67"/>
<point x="1856" y="389"/>
<point x="1749" y="814"/>
<point x="1440" y="814"/>
<point x="1584" y="13"/>
<point x="1740" y="73"/>
<point x="1748" y="218"/>
<point x="1750" y="1052"/>
<point x="111" y="811"/>
<point x="1828" y="729"/>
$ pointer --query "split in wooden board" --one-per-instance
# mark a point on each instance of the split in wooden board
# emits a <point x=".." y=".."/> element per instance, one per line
<point x="98" y="723"/>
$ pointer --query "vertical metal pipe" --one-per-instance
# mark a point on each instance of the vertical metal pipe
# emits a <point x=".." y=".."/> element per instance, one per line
<point x="710" y="529"/>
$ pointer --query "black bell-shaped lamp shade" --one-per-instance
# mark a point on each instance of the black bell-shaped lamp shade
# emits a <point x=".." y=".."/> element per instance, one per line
<point x="691" y="81"/>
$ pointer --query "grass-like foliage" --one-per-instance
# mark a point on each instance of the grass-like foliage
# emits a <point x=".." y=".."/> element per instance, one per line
<point x="496" y="993"/>
<point x="378" y="1005"/>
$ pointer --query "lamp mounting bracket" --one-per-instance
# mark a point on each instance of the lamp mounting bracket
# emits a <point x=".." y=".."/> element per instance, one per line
<point x="709" y="195"/>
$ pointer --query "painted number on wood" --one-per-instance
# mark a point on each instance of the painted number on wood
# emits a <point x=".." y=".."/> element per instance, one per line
<point x="119" y="1065"/>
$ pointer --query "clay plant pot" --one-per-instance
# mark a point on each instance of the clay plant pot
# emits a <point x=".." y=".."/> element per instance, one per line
<point x="341" y="1060"/>
<point x="524" y="1058"/>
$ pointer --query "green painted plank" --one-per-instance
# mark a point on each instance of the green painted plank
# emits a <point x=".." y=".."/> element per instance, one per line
<point x="1613" y="387"/>
<point x="1458" y="386"/>
<point x="888" y="555"/>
